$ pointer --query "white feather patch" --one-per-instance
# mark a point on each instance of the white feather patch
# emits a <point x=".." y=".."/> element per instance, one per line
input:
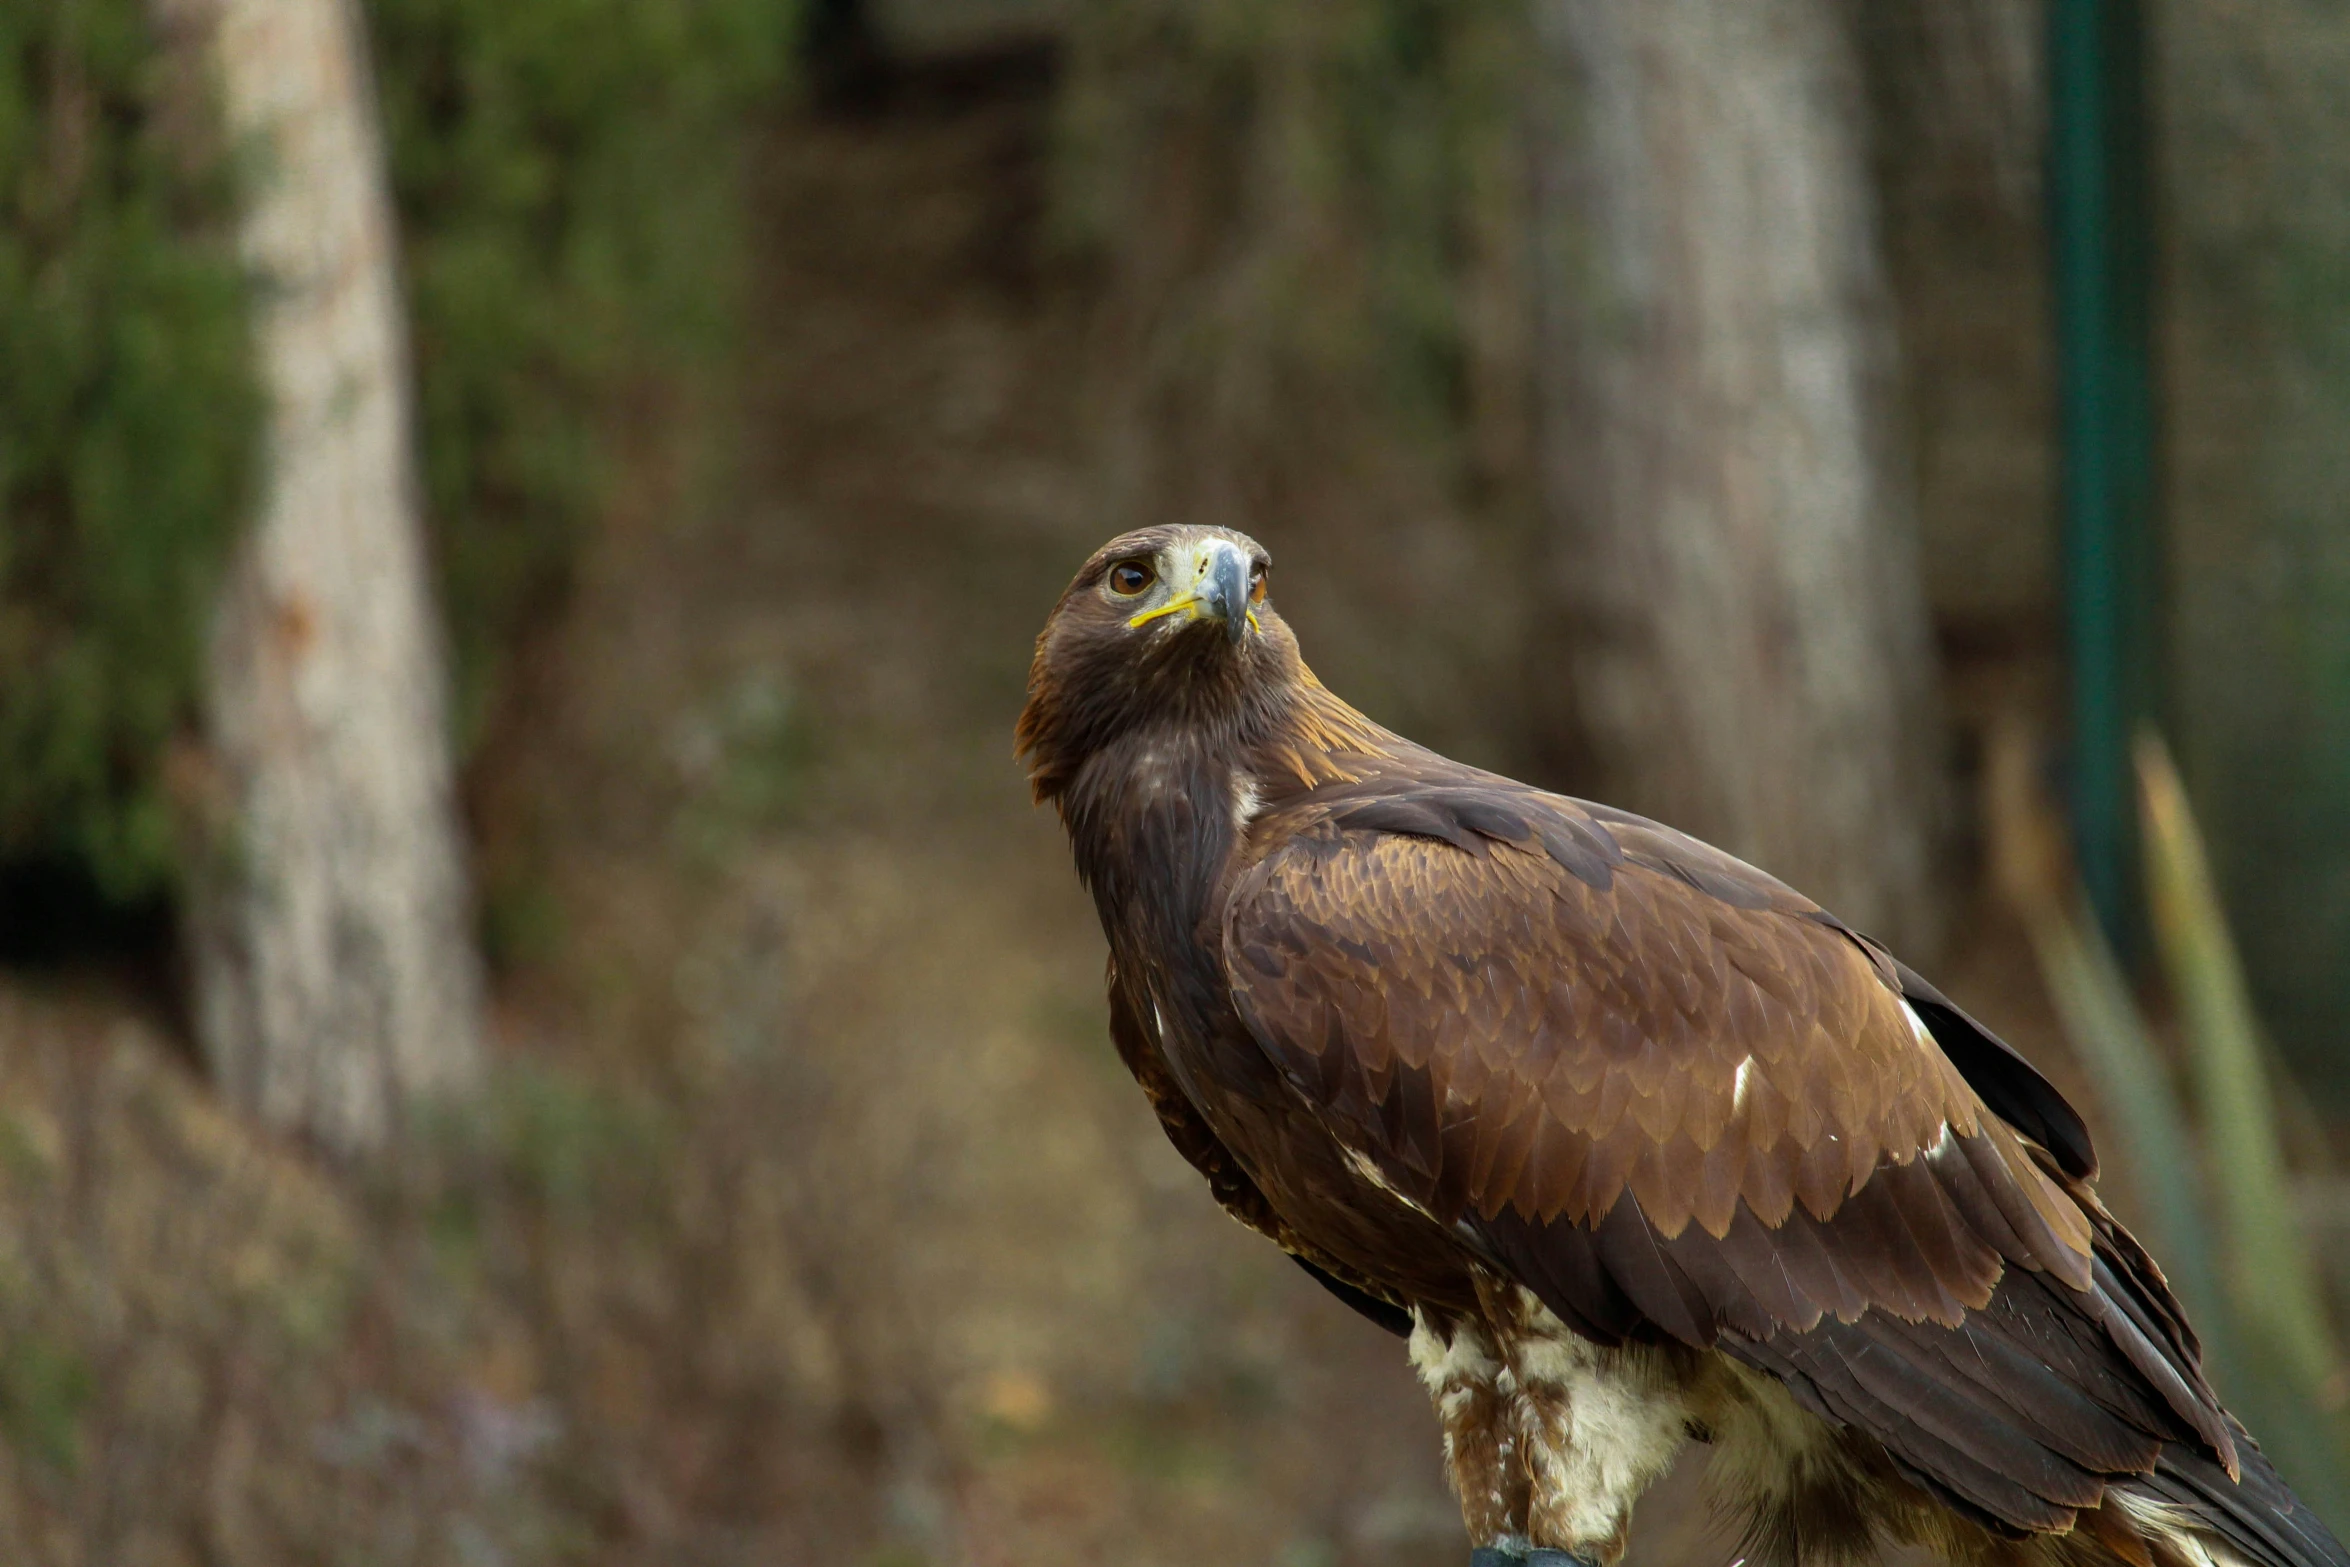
<point x="2173" y="1526"/>
<point x="1246" y="801"/>
<point x="1597" y="1425"/>
<point x="1371" y="1173"/>
<point x="1445" y="1364"/>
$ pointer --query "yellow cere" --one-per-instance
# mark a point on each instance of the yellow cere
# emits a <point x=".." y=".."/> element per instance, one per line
<point x="1188" y="601"/>
<point x="1184" y="600"/>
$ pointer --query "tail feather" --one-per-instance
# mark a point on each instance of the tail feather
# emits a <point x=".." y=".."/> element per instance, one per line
<point x="2190" y="1504"/>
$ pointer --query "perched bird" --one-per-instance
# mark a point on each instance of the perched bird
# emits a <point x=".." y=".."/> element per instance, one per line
<point x="1637" y="1145"/>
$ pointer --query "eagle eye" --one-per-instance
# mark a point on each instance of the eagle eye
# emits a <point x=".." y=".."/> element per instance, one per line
<point x="1256" y="582"/>
<point x="1130" y="577"/>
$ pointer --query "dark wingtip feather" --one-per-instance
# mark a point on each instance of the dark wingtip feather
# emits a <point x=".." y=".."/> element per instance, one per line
<point x="1392" y="1317"/>
<point x="2009" y="1084"/>
<point x="2257" y="1516"/>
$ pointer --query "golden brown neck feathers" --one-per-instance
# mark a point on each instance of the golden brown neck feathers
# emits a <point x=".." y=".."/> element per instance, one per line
<point x="1324" y="739"/>
<point x="1263" y="709"/>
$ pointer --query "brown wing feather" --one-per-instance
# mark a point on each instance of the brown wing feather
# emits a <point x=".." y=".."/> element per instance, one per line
<point x="1680" y="1102"/>
<point x="1695" y="1052"/>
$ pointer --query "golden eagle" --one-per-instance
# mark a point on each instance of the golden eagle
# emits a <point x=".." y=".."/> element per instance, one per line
<point x="1638" y="1145"/>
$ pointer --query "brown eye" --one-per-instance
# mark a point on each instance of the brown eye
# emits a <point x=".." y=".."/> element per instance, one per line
<point x="1130" y="577"/>
<point x="1256" y="583"/>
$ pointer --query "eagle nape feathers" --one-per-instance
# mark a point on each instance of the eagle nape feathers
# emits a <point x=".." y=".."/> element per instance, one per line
<point x="1635" y="1145"/>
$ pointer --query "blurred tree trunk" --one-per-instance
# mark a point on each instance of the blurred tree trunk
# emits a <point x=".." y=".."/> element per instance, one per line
<point x="1749" y="654"/>
<point x="335" y="979"/>
<point x="1958" y="125"/>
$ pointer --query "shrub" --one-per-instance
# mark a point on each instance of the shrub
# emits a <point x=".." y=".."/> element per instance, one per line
<point x="569" y="177"/>
<point x="127" y="429"/>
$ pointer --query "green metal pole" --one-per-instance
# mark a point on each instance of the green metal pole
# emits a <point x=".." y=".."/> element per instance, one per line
<point x="2099" y="237"/>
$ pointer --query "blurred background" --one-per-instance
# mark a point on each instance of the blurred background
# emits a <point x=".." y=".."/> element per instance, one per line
<point x="537" y="1023"/>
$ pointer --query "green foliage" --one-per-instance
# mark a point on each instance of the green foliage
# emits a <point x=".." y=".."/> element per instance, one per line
<point x="2238" y="1261"/>
<point x="2295" y="1366"/>
<point x="43" y="1389"/>
<point x="569" y="176"/>
<point x="128" y="421"/>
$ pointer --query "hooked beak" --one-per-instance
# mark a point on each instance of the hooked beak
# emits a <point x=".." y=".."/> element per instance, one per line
<point x="1218" y="591"/>
<point x="1223" y="589"/>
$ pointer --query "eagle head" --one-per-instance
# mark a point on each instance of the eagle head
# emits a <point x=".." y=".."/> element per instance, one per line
<point x="1166" y="626"/>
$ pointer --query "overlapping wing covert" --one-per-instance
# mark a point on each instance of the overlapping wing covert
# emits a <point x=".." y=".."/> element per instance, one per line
<point x="1679" y="1102"/>
<point x="1519" y="1037"/>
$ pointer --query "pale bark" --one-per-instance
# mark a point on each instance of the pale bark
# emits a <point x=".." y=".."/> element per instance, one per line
<point x="1749" y="655"/>
<point x="335" y="978"/>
